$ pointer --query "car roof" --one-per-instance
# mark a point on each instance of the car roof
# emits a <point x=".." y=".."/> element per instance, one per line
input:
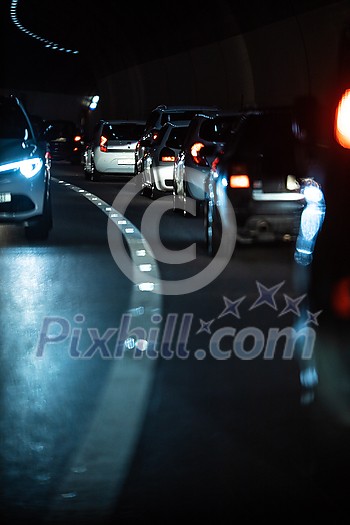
<point x="177" y="123"/>
<point x="163" y="107"/>
<point x="122" y="121"/>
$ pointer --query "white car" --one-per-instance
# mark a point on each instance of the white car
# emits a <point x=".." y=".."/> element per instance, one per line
<point x="112" y="149"/>
<point x="25" y="194"/>
<point x="157" y="163"/>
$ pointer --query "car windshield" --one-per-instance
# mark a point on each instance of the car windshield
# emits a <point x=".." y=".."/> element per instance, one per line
<point x="124" y="131"/>
<point x="13" y="124"/>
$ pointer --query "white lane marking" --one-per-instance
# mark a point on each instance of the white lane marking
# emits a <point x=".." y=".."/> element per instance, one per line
<point x="95" y="476"/>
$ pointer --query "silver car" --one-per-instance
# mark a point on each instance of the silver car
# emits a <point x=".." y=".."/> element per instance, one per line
<point x="158" y="163"/>
<point x="25" y="196"/>
<point x="112" y="149"/>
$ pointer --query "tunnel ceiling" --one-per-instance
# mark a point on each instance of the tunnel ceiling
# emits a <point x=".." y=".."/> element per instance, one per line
<point x="112" y="35"/>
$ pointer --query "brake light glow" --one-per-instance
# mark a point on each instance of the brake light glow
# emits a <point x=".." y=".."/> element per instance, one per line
<point x="239" y="181"/>
<point x="239" y="177"/>
<point x="103" y="143"/>
<point x="77" y="138"/>
<point x="342" y="121"/>
<point x="196" y="154"/>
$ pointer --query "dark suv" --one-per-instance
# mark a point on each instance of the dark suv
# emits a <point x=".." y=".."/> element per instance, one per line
<point x="65" y="141"/>
<point x="25" y="196"/>
<point x="156" y="120"/>
<point x="265" y="175"/>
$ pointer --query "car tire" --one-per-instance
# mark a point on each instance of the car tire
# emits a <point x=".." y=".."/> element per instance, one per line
<point x="94" y="175"/>
<point x="40" y="228"/>
<point x="176" y="200"/>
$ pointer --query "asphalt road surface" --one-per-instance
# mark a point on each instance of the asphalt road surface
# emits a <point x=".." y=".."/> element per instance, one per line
<point x="137" y="384"/>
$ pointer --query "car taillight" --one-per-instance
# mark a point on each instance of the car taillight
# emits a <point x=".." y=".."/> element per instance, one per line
<point x="197" y="154"/>
<point x="167" y="158"/>
<point x="167" y="155"/>
<point x="238" y="176"/>
<point x="103" y="143"/>
<point x="77" y="138"/>
<point x="342" y="121"/>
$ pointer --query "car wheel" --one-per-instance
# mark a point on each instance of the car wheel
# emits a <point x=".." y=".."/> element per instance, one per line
<point x="94" y="174"/>
<point x="176" y="199"/>
<point x="40" y="228"/>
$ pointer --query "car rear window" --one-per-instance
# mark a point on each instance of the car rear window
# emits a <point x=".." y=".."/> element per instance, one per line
<point x="58" y="129"/>
<point x="123" y="131"/>
<point x="177" y="116"/>
<point x="263" y="133"/>
<point x="218" y="129"/>
<point x="269" y="138"/>
<point x="176" y="137"/>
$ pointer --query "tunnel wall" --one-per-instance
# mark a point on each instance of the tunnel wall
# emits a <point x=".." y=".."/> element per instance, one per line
<point x="271" y="65"/>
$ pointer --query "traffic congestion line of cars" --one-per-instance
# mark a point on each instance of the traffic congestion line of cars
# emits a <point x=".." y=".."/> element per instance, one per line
<point x="211" y="161"/>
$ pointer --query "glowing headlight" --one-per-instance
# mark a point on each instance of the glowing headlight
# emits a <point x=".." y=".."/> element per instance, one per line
<point x="28" y="167"/>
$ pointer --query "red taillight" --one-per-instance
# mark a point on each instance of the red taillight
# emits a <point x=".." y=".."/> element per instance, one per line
<point x="77" y="138"/>
<point x="342" y="121"/>
<point x="167" y="158"/>
<point x="239" y="181"/>
<point x="239" y="177"/>
<point x="167" y="155"/>
<point x="215" y="163"/>
<point x="197" y="154"/>
<point x="103" y="143"/>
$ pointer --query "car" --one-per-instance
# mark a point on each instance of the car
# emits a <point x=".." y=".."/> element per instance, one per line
<point x="65" y="140"/>
<point x="158" y="164"/>
<point x="25" y="189"/>
<point x="260" y="176"/>
<point x="112" y="148"/>
<point x="163" y="113"/>
<point x="207" y="133"/>
<point x="159" y="116"/>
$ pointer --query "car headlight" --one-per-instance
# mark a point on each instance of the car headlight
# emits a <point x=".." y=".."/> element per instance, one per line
<point x="28" y="167"/>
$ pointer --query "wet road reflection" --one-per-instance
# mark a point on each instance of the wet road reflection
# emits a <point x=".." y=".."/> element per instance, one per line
<point x="227" y="419"/>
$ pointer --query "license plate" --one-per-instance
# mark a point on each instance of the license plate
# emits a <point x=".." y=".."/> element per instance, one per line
<point x="126" y="161"/>
<point x="5" y="197"/>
